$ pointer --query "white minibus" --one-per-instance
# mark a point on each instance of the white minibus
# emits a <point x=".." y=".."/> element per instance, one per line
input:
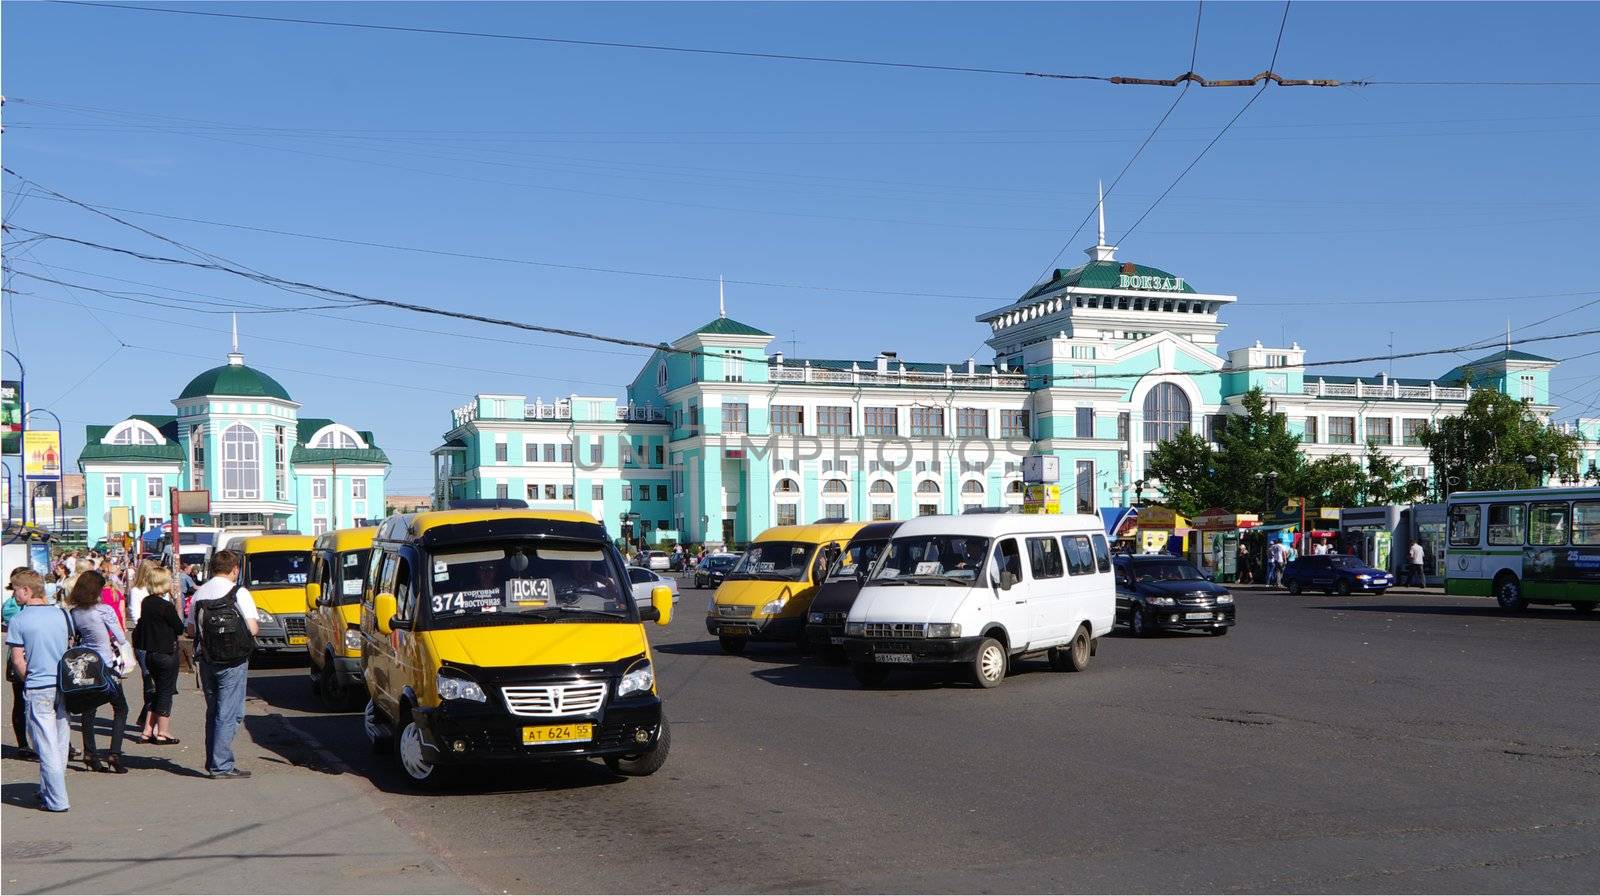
<point x="976" y="592"/>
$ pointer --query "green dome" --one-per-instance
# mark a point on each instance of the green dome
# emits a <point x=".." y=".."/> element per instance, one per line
<point x="235" y="380"/>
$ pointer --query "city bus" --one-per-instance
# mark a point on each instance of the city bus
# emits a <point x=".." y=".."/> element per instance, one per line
<point x="1525" y="546"/>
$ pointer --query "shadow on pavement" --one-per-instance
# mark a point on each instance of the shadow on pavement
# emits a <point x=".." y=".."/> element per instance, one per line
<point x="755" y="651"/>
<point x="1482" y="612"/>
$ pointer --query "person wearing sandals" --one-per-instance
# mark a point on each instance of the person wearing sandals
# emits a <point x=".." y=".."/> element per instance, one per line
<point x="97" y="627"/>
<point x="155" y="639"/>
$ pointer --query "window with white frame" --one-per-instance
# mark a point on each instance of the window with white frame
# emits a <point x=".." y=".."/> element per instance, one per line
<point x="972" y="423"/>
<point x="280" y="472"/>
<point x="597" y="493"/>
<point x="881" y="487"/>
<point x="834" y="487"/>
<point x="549" y="491"/>
<point x="787" y="419"/>
<point x="1528" y="392"/>
<point x="335" y="438"/>
<point x="1083" y="352"/>
<point x="1380" y="430"/>
<point x="596" y="453"/>
<point x="627" y="492"/>
<point x="1341" y="430"/>
<point x="882" y="512"/>
<point x="927" y="487"/>
<point x="533" y="491"/>
<point x="735" y="416"/>
<point x="788" y="514"/>
<point x="153" y="489"/>
<point x="1411" y="430"/>
<point x="566" y="452"/>
<point x="926" y="422"/>
<point x="132" y="434"/>
<point x="566" y="493"/>
<point x="319" y="525"/>
<point x="197" y="456"/>
<point x="787" y="486"/>
<point x="550" y="453"/>
<point x="530" y="453"/>
<point x="500" y="455"/>
<point x="881" y="421"/>
<point x="113" y="487"/>
<point x="241" y="463"/>
<point x="972" y="487"/>
<point x="927" y="509"/>
<point x="1084" y="420"/>
<point x="1014" y="425"/>
<point x="834" y="512"/>
<point x="833" y="421"/>
<point x="319" y="489"/>
<point x="502" y="490"/>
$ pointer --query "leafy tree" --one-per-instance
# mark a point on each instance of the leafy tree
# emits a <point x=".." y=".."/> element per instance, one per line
<point x="1386" y="482"/>
<point x="1183" y="464"/>
<point x="1337" y="481"/>
<point x="1486" y="446"/>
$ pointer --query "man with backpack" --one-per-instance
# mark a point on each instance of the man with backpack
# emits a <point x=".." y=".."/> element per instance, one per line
<point x="222" y="620"/>
<point x="37" y="639"/>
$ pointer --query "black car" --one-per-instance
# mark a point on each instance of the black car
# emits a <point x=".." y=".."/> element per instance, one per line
<point x="712" y="570"/>
<point x="837" y="593"/>
<point x="1158" y="592"/>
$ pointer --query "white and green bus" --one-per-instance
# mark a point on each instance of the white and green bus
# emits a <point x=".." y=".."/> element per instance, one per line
<point x="1539" y="545"/>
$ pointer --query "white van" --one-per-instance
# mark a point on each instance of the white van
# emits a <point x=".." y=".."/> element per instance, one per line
<point x="974" y="592"/>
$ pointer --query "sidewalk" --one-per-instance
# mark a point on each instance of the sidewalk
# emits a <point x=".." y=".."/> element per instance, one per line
<point x="296" y="826"/>
<point x="1412" y="590"/>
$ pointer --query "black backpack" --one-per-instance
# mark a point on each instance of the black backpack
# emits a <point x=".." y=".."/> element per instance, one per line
<point x="82" y="678"/>
<point x="225" y="639"/>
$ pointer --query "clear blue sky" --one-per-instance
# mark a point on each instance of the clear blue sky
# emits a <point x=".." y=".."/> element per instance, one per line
<point x="777" y="171"/>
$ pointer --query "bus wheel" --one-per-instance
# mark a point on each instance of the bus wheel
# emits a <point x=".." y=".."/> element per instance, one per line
<point x="1508" y="591"/>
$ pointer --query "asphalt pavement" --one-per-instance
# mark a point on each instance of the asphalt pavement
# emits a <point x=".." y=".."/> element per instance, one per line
<point x="1399" y="743"/>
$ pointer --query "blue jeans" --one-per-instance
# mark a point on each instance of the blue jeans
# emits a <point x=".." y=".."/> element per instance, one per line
<point x="51" y="735"/>
<point x="224" y="688"/>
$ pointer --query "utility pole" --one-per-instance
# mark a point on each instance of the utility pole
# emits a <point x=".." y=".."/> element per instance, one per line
<point x="335" y="495"/>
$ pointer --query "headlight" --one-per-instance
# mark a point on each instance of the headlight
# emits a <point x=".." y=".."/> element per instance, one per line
<point x="814" y="618"/>
<point x="1362" y="577"/>
<point x="944" y="630"/>
<point x="264" y="618"/>
<point x="1224" y="598"/>
<point x="856" y="629"/>
<point x="453" y="688"/>
<point x="1161" y="601"/>
<point x="773" y="607"/>
<point x="352" y="639"/>
<point x="639" y="679"/>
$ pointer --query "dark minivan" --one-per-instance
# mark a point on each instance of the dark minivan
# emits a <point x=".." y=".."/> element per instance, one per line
<point x="837" y="593"/>
<point x="1157" y="592"/>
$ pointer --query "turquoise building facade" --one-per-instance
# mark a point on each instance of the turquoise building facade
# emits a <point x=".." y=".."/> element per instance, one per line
<point x="236" y="433"/>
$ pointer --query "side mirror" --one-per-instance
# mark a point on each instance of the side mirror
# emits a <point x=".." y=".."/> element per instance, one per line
<point x="384" y="609"/>
<point x="313" y="595"/>
<point x="661" y="602"/>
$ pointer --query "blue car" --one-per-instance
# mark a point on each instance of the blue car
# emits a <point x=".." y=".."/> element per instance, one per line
<point x="1332" y="573"/>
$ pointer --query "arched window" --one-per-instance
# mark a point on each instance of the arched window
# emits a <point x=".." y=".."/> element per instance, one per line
<point x="972" y="487"/>
<point x="336" y="438"/>
<point x="1015" y="488"/>
<point x="133" y="432"/>
<point x="881" y="487"/>
<point x="833" y="487"/>
<point x="927" y="487"/>
<point x="241" y="463"/>
<point x="1166" y="413"/>
<point x="787" y="486"/>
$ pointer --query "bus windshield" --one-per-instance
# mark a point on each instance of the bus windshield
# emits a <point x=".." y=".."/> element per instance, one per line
<point x="777" y="561"/>
<point x="276" y="569"/>
<point x="932" y="560"/>
<point x="536" y="582"/>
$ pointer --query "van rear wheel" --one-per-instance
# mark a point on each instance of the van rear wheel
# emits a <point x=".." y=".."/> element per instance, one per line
<point x="989" y="664"/>
<point x="1074" y="656"/>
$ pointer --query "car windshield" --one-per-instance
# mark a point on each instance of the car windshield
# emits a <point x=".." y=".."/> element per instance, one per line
<point x="352" y="576"/>
<point x="932" y="560"/>
<point x="723" y="563"/>
<point x="276" y="569"/>
<point x="1165" y="571"/>
<point x="544" y="581"/>
<point x="777" y="561"/>
<point x="856" y="558"/>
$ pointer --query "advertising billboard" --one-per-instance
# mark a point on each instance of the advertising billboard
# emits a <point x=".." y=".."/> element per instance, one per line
<point x="41" y="450"/>
<point x="10" y="417"/>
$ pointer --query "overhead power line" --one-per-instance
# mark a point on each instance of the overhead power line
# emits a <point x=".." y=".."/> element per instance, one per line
<point x="1189" y="77"/>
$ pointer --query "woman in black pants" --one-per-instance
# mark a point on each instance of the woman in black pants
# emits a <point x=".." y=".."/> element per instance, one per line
<point x="156" y="640"/>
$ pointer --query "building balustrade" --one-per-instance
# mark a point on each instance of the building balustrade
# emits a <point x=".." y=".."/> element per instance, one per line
<point x="896" y="376"/>
<point x="1392" y="389"/>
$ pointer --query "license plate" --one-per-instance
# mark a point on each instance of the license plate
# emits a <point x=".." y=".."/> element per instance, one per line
<point x="893" y="657"/>
<point x="558" y="734"/>
<point x="1197" y="616"/>
<point x="836" y="641"/>
<point x="735" y="630"/>
<point x="296" y="640"/>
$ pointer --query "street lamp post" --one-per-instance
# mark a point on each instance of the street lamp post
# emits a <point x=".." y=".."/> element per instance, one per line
<point x="1138" y="492"/>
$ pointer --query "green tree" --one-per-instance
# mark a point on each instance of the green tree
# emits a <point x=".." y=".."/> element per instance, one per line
<point x="1486" y="446"/>
<point x="1253" y="448"/>
<point x="1387" y="482"/>
<point x="1183" y="465"/>
<point x="1337" y="481"/>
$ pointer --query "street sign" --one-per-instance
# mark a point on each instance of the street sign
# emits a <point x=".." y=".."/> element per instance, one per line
<point x="1041" y="468"/>
<point x="121" y="519"/>
<point x="192" y="501"/>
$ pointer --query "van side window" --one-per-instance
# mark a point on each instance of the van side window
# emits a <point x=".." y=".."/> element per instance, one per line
<point x="375" y="579"/>
<point x="1008" y="560"/>
<point x="386" y="581"/>
<point x="1102" y="554"/>
<point x="1080" y="556"/>
<point x="1044" y="558"/>
<point x="326" y="573"/>
<point x="405" y="596"/>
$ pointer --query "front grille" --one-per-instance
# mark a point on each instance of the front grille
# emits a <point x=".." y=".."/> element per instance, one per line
<point x="895" y="630"/>
<point x="1197" y="599"/>
<point x="548" y="701"/>
<point x="735" y="611"/>
<point x="833" y="618"/>
<point x="294" y="625"/>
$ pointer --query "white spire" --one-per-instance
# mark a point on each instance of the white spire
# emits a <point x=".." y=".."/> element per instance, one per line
<point x="1100" y="251"/>
<point x="234" y="358"/>
<point x="1100" y="206"/>
<point x="722" y="298"/>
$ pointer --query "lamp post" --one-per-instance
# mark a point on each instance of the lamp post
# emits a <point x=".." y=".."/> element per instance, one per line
<point x="1138" y="492"/>
<point x="1272" y="490"/>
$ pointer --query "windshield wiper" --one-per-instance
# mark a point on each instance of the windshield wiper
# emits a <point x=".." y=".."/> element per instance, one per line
<point x="569" y="612"/>
<point x="895" y="581"/>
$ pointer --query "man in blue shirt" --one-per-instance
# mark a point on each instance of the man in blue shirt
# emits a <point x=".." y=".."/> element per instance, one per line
<point x="36" y="638"/>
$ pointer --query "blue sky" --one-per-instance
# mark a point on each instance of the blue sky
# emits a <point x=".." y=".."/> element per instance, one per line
<point x="782" y="172"/>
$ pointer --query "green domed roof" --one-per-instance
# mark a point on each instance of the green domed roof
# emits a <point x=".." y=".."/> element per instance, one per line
<point x="235" y="380"/>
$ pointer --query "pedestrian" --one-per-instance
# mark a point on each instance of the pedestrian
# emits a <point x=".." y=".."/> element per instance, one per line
<point x="156" y="640"/>
<point x="221" y="618"/>
<point x="37" y="638"/>
<point x="97" y="627"/>
<point x="1416" y="557"/>
<point x="19" y="699"/>
<point x="1274" y="563"/>
<point x="1241" y="564"/>
<point x="137" y="590"/>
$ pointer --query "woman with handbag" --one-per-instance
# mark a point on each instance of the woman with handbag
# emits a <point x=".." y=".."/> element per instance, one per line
<point x="155" y="639"/>
<point x="96" y="626"/>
